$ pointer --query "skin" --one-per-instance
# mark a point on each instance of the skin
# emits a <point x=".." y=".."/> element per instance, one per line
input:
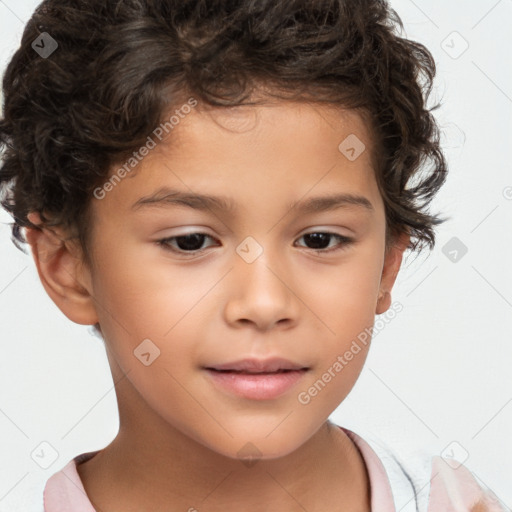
<point x="179" y="438"/>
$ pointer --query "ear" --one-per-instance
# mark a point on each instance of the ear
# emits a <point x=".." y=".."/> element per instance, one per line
<point x="59" y="265"/>
<point x="392" y="262"/>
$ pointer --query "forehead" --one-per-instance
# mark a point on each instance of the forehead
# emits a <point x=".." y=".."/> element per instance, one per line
<point x="309" y="123"/>
<point x="281" y="148"/>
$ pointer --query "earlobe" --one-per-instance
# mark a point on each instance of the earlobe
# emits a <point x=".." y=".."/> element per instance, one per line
<point x="392" y="263"/>
<point x="383" y="303"/>
<point x="61" y="272"/>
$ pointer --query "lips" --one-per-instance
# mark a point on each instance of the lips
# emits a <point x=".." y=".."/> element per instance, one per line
<point x="273" y="365"/>
<point x="254" y="379"/>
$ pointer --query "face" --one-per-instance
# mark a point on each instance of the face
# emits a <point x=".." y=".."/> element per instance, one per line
<point x="182" y="284"/>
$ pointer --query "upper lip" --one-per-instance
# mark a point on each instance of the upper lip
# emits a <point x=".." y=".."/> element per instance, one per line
<point x="258" y="365"/>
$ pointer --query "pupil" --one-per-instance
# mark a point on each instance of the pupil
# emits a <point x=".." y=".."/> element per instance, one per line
<point x="318" y="239"/>
<point x="189" y="242"/>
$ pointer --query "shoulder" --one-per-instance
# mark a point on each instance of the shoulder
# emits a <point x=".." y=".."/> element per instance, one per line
<point x="431" y="483"/>
<point x="453" y="485"/>
<point x="64" y="490"/>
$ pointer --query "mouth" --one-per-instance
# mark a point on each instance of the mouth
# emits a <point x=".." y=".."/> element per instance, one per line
<point x="254" y="373"/>
<point x="273" y="365"/>
<point x="256" y="379"/>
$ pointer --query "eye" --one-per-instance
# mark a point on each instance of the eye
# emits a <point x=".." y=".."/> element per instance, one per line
<point x="189" y="243"/>
<point x="321" y="239"/>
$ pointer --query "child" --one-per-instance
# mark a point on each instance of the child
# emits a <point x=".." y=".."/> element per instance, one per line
<point x="286" y="136"/>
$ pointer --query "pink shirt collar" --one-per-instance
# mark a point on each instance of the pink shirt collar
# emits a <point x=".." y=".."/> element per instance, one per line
<point x="64" y="490"/>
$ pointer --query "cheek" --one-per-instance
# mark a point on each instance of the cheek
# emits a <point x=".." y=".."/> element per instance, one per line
<point x="150" y="295"/>
<point x="346" y="296"/>
<point x="162" y="303"/>
<point x="346" y="301"/>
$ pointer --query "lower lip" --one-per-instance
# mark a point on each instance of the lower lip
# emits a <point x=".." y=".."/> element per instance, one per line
<point x="257" y="386"/>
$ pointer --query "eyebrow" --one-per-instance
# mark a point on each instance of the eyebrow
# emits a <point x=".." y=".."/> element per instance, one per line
<point x="166" y="197"/>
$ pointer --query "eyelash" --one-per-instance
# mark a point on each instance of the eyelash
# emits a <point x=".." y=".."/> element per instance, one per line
<point x="345" y="242"/>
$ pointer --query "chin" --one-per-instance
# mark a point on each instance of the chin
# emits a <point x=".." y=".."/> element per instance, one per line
<point x="252" y="444"/>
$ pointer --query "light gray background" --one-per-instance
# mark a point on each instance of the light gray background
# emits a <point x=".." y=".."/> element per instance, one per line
<point x="438" y="374"/>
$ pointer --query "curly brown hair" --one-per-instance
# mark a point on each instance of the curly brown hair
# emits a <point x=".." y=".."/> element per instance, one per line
<point x="121" y="64"/>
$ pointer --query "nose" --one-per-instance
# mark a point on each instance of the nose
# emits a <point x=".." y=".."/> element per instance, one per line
<point x="261" y="294"/>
